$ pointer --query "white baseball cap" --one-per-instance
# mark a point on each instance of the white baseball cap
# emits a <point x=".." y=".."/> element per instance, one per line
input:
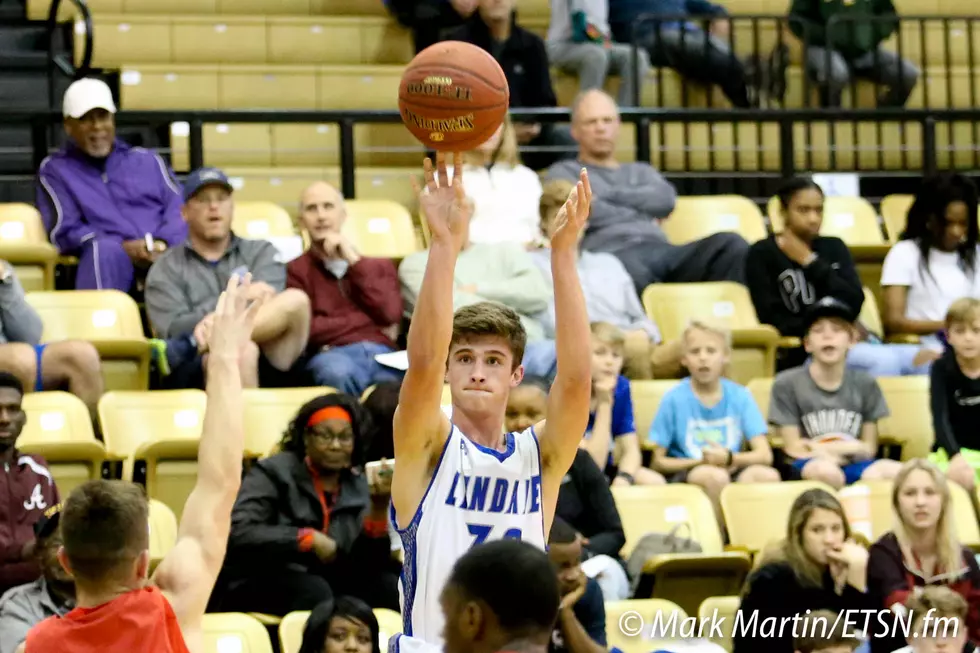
<point x="87" y="94"/>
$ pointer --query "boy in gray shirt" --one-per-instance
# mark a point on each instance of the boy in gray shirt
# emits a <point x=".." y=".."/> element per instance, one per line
<point x="827" y="415"/>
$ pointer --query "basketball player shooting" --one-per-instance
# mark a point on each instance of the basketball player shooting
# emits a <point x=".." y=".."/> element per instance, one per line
<point x="462" y="482"/>
<point x="105" y="528"/>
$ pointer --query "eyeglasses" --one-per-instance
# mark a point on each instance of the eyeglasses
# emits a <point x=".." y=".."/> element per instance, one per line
<point x="344" y="439"/>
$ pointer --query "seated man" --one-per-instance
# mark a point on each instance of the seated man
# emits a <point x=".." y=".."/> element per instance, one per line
<point x="708" y="430"/>
<point x="497" y="272"/>
<point x="827" y="415"/>
<point x="788" y="272"/>
<point x="682" y="44"/>
<point x="522" y="56"/>
<point x="27" y="488"/>
<point x="629" y="199"/>
<point x="581" y="626"/>
<point x="53" y="593"/>
<point x="114" y="206"/>
<point x="183" y="287"/>
<point x="610" y="296"/>
<point x="579" y="41"/>
<point x="73" y="364"/>
<point x="355" y="301"/>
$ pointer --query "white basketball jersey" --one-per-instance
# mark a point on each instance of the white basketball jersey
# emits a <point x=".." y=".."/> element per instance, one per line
<point x="476" y="495"/>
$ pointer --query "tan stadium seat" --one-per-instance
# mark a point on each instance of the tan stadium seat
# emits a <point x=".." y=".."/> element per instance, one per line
<point x="869" y="502"/>
<point x="236" y="144"/>
<point x="761" y="391"/>
<point x="268" y="87"/>
<point x="642" y="620"/>
<point x="672" y="306"/>
<point x="282" y="186"/>
<point x="925" y="41"/>
<point x="159" y="87"/>
<point x="162" y="428"/>
<point x="291" y="631"/>
<point x="163" y="532"/>
<point x="299" y="144"/>
<point x="647" y="396"/>
<point x="59" y="428"/>
<point x="909" y="424"/>
<point x="268" y="412"/>
<point x="845" y="145"/>
<point x="870" y="316"/>
<point x="389" y="623"/>
<point x="964" y="516"/>
<point x="685" y="578"/>
<point x="260" y="220"/>
<point x="381" y="228"/>
<point x="894" y="211"/>
<point x="234" y="631"/>
<point x="393" y="184"/>
<point x="338" y="40"/>
<point x="359" y="87"/>
<point x="721" y="609"/>
<point x="716" y="146"/>
<point x="694" y="218"/>
<point x="110" y="320"/>
<point x="757" y="514"/>
<point x="852" y="219"/>
<point x="24" y="244"/>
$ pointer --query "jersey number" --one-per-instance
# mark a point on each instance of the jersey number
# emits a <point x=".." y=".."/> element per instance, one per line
<point x="481" y="533"/>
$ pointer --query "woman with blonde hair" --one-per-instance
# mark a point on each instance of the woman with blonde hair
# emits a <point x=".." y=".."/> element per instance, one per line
<point x="922" y="549"/>
<point x="817" y="567"/>
<point x="505" y="192"/>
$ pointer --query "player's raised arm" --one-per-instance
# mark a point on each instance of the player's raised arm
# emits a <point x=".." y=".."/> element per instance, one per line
<point x="420" y="426"/>
<point x="188" y="573"/>
<point x="568" y="402"/>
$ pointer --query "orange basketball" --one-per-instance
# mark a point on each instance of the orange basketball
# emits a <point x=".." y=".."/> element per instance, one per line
<point x="453" y="96"/>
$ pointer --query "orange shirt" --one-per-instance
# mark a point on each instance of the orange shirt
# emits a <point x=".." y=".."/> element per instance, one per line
<point x="141" y="620"/>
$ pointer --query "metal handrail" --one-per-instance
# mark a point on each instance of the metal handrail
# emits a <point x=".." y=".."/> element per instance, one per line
<point x="65" y="65"/>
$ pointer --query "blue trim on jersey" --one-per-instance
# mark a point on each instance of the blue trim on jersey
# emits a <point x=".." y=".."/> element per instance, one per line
<point x="393" y="643"/>
<point x="537" y="445"/>
<point x="511" y="447"/>
<point x="410" y="568"/>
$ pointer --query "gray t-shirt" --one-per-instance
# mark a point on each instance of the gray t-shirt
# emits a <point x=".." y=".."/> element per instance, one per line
<point x="822" y="415"/>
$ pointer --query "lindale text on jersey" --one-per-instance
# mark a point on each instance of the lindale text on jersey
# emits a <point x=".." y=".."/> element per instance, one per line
<point x="495" y="495"/>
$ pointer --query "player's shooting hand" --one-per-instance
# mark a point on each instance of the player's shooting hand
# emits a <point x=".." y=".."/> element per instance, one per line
<point x="443" y="202"/>
<point x="572" y="217"/>
<point x="234" y="318"/>
<point x="324" y="547"/>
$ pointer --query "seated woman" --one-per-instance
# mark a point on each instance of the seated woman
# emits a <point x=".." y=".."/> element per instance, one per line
<point x="935" y="261"/>
<point x="921" y="551"/>
<point x="345" y="626"/>
<point x="817" y="567"/>
<point x="306" y="525"/>
<point x="505" y="193"/>
<point x="584" y="500"/>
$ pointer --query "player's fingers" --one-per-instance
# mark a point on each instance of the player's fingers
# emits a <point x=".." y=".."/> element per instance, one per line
<point x="582" y="201"/>
<point x="587" y="184"/>
<point x="416" y="188"/>
<point x="222" y="302"/>
<point x="428" y="173"/>
<point x="441" y="169"/>
<point x="458" y="167"/>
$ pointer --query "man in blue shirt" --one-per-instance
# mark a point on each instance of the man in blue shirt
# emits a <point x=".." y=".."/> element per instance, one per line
<point x="703" y="425"/>
<point x="581" y="626"/>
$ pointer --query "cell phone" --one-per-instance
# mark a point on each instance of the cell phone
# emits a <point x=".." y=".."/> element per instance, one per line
<point x="378" y="468"/>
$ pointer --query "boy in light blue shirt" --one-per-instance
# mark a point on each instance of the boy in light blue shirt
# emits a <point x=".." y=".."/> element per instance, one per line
<point x="708" y="430"/>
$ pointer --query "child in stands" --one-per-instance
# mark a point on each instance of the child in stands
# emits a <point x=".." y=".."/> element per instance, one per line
<point x="955" y="395"/>
<point x="611" y="435"/>
<point x="938" y="622"/>
<point x="708" y="430"/>
<point x="826" y="414"/>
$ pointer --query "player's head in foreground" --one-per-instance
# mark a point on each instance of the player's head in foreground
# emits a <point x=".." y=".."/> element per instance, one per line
<point x="485" y="356"/>
<point x="938" y="620"/>
<point x="106" y="539"/>
<point x="502" y="595"/>
<point x="822" y="632"/>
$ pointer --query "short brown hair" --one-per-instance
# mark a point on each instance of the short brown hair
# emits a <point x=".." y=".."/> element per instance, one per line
<point x="554" y="194"/>
<point x="821" y="630"/>
<point x="963" y="311"/>
<point x="609" y="334"/>
<point x="105" y="527"/>
<point x="490" y="319"/>
<point x="944" y="604"/>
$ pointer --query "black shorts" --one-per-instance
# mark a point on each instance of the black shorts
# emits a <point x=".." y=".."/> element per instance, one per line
<point x="681" y="477"/>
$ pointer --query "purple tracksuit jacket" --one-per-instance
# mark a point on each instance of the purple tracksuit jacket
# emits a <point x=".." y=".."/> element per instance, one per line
<point x="90" y="206"/>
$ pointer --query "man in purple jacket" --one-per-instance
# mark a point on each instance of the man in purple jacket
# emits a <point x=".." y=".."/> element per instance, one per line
<point x="114" y="206"/>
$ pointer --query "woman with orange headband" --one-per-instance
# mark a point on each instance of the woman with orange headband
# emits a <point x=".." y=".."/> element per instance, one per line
<point x="307" y="526"/>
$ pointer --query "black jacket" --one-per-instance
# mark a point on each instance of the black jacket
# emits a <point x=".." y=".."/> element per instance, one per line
<point x="276" y="500"/>
<point x="586" y="503"/>
<point x="774" y="591"/>
<point x="955" y="401"/>
<point x="522" y="57"/>
<point x="781" y="289"/>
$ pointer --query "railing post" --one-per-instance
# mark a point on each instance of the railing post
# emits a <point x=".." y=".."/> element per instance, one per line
<point x="39" y="141"/>
<point x="347" y="178"/>
<point x="787" y="162"/>
<point x="195" y="143"/>
<point x="929" y="163"/>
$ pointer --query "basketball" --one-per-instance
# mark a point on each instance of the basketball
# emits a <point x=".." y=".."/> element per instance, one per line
<point x="453" y="96"/>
